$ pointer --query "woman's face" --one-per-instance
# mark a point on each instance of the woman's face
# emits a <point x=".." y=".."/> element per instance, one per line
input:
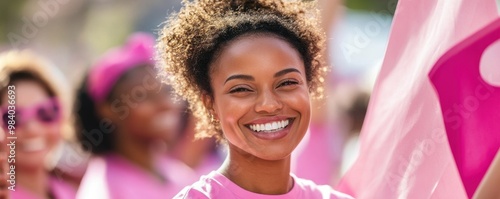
<point x="144" y="106"/>
<point x="261" y="96"/>
<point x="35" y="137"/>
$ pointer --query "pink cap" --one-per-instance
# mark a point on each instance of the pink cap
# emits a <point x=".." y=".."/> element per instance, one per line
<point x="138" y="50"/>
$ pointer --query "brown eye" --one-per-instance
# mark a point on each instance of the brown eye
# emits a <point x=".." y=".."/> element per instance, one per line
<point x="239" y="90"/>
<point x="288" y="83"/>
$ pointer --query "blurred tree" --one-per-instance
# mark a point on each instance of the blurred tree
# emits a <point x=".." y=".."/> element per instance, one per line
<point x="10" y="16"/>
<point x="388" y="6"/>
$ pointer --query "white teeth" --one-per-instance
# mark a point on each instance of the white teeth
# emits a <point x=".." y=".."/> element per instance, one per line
<point x="270" y="127"/>
<point x="275" y="125"/>
<point x="34" y="144"/>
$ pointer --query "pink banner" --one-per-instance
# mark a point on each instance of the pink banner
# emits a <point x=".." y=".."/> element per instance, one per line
<point x="470" y="105"/>
<point x="404" y="147"/>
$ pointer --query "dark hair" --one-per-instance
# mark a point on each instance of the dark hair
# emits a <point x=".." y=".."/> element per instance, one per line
<point x="192" y="39"/>
<point x="88" y="120"/>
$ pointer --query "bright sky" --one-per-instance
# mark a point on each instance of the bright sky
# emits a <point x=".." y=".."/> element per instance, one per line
<point x="498" y="5"/>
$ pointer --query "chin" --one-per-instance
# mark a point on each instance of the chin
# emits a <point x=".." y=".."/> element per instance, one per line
<point x="31" y="162"/>
<point x="274" y="157"/>
<point x="271" y="153"/>
<point x="31" y="159"/>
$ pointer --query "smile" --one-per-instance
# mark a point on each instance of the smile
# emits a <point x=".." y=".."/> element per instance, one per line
<point x="270" y="127"/>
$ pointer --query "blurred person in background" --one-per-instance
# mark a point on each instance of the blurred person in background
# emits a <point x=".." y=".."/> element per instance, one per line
<point x="355" y="114"/>
<point x="42" y="113"/>
<point x="201" y="155"/>
<point x="125" y="116"/>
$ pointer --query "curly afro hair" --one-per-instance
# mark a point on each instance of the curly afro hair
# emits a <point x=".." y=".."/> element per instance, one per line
<point x="191" y="40"/>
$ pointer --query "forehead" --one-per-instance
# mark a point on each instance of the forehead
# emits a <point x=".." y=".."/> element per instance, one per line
<point x="27" y="93"/>
<point x="136" y="77"/>
<point x="249" y="41"/>
<point x="258" y="51"/>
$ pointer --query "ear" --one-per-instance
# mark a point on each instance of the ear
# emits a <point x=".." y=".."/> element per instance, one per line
<point x="209" y="103"/>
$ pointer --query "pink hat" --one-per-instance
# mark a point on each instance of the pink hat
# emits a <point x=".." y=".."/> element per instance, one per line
<point x="138" y="50"/>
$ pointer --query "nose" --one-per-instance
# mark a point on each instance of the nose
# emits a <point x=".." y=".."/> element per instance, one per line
<point x="268" y="102"/>
<point x="32" y="127"/>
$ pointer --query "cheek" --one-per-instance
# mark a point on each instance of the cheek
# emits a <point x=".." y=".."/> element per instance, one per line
<point x="300" y="102"/>
<point x="303" y="103"/>
<point x="299" y="93"/>
<point x="53" y="133"/>
<point x="140" y="114"/>
<point x="231" y="110"/>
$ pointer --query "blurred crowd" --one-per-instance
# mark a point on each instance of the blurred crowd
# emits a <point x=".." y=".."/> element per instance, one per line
<point x="67" y="59"/>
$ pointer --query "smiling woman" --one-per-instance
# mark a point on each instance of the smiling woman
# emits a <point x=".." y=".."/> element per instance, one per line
<point x="35" y="111"/>
<point x="249" y="69"/>
<point x="274" y="90"/>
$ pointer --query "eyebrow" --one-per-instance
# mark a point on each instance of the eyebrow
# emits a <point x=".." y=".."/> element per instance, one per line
<point x="244" y="77"/>
<point x="285" y="71"/>
<point x="250" y="78"/>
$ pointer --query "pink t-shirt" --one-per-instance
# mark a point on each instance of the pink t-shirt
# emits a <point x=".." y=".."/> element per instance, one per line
<point x="59" y="189"/>
<point x="113" y="177"/>
<point x="216" y="185"/>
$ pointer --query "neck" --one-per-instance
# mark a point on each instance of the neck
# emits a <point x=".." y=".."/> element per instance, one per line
<point x="257" y="175"/>
<point x="35" y="181"/>
<point x="136" y="151"/>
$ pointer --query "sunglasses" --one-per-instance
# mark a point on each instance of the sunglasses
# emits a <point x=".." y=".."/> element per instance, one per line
<point x="46" y="112"/>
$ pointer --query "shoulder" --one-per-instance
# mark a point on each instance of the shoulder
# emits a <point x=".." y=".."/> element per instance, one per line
<point x="61" y="189"/>
<point x="94" y="183"/>
<point x="312" y="190"/>
<point x="207" y="187"/>
<point x="190" y="192"/>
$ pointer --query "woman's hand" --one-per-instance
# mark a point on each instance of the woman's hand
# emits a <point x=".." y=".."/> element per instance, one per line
<point x="4" y="167"/>
<point x="488" y="188"/>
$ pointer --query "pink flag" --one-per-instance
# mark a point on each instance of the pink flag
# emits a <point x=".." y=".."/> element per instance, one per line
<point x="470" y="105"/>
<point x="404" y="147"/>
